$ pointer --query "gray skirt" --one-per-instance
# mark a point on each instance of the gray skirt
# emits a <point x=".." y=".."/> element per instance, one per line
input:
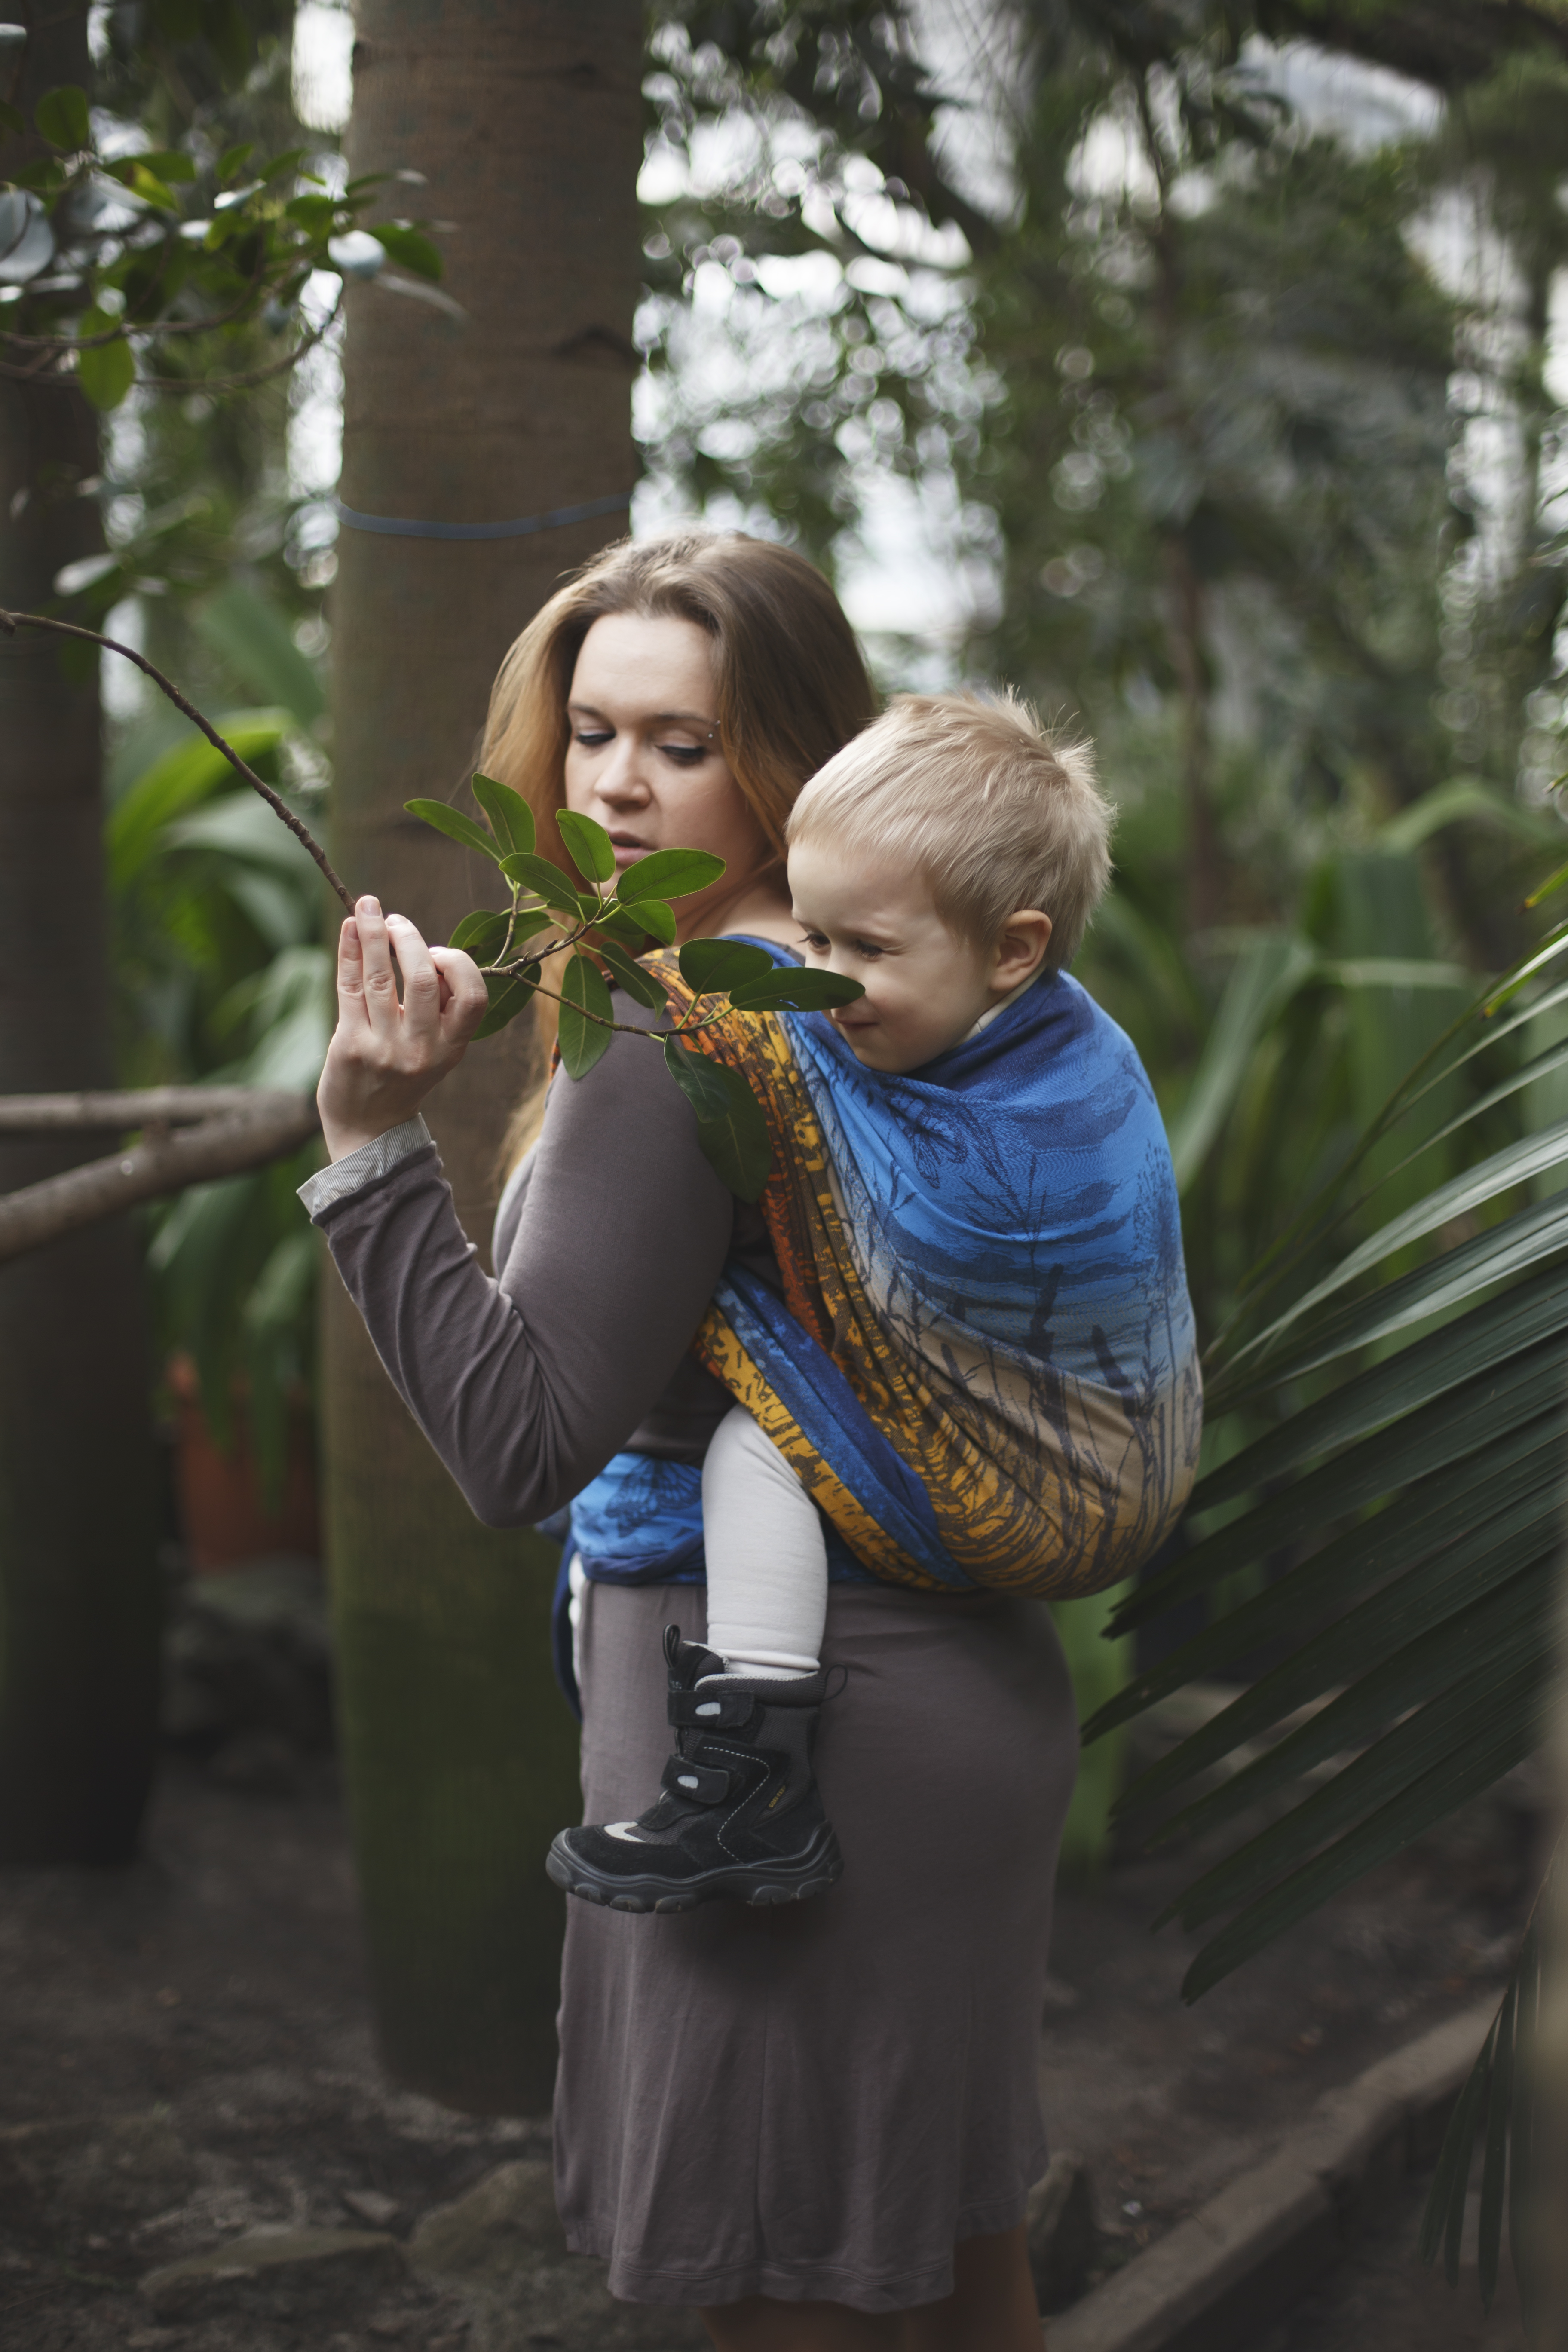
<point x="818" y="2103"/>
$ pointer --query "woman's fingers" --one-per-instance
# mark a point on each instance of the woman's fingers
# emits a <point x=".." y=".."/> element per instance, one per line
<point x="421" y="990"/>
<point x="351" y="975"/>
<point x="464" y="1000"/>
<point x="378" y="979"/>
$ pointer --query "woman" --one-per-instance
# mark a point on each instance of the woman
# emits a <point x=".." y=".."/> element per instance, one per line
<point x="819" y="2129"/>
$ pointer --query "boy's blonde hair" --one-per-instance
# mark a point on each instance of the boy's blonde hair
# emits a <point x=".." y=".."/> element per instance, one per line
<point x="996" y="812"/>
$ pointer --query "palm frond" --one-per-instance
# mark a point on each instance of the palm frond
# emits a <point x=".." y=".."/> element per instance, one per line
<point x="1496" y="2106"/>
<point x="1417" y="1502"/>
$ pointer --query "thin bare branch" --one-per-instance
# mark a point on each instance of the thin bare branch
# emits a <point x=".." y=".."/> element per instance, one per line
<point x="11" y="622"/>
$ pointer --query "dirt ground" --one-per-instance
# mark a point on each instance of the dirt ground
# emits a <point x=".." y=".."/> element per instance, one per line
<point x="187" y="2055"/>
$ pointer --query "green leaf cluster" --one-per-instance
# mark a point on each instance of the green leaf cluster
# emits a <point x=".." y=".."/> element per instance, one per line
<point x="601" y="923"/>
<point x="176" y="294"/>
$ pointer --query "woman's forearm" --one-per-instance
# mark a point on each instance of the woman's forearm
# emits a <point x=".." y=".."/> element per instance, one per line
<point x="526" y="1384"/>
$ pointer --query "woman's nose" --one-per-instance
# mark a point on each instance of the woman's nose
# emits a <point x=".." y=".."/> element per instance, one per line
<point x="620" y="779"/>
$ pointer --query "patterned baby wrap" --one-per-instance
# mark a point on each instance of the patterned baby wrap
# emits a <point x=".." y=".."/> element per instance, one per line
<point x="983" y="1367"/>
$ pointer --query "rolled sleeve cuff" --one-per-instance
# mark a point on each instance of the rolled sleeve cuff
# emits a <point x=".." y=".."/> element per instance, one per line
<point x="366" y="1166"/>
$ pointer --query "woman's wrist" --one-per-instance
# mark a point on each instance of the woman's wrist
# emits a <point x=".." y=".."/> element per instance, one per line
<point x="342" y="1140"/>
<point x="367" y="1163"/>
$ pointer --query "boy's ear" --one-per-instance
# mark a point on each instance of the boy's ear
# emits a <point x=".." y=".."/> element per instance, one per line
<point x="1021" y="948"/>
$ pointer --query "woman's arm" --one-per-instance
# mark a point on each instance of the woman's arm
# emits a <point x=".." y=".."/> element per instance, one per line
<point x="527" y="1384"/>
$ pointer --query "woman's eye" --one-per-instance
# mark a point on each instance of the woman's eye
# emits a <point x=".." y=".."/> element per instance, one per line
<point x="685" y="755"/>
<point x="591" y="735"/>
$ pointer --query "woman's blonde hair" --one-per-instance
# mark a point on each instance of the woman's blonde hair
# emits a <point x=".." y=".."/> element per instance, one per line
<point x="790" y="684"/>
<point x="972" y="792"/>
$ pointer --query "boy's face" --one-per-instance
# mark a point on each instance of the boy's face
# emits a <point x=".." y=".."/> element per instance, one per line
<point x="925" y="987"/>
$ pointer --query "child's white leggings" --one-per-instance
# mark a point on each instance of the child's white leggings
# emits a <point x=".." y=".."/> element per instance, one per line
<point x="767" y="1561"/>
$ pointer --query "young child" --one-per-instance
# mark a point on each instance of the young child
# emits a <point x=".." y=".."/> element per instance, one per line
<point x="949" y="859"/>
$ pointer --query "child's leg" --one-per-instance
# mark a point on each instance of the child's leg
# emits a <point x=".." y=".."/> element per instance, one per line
<point x="767" y="1561"/>
<point x="740" y="1814"/>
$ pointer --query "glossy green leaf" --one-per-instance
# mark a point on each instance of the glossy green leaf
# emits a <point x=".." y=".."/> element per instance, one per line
<point x="107" y="371"/>
<point x="1523" y="1461"/>
<point x="1554" y="945"/>
<point x="253" y="635"/>
<point x="512" y="819"/>
<point x="1477" y="1340"/>
<point x="409" y="248"/>
<point x="1483" y="1551"/>
<point x="788" y="990"/>
<point x="1266" y="976"/>
<point x="631" y="933"/>
<point x="1383" y="1774"/>
<point x="233" y="161"/>
<point x="586" y="1011"/>
<point x="1524" y="2243"/>
<point x="1517" y="1163"/>
<point x="481" y="934"/>
<point x="1510" y="1620"/>
<point x="588" y="845"/>
<point x="1476" y="1746"/>
<point x="657" y="920"/>
<point x="669" y="874"/>
<point x="541" y="875"/>
<point x="455" y="826"/>
<point x="710" y="964"/>
<point x="1457" y="1424"/>
<point x="178" y="781"/>
<point x="1444" y="2219"/>
<point x="62" y="117"/>
<point x="1531" y="1237"/>
<point x="508" y="993"/>
<point x="527" y="924"/>
<point x="639" y="985"/>
<point x="1494" y="2163"/>
<point x="732" y="1126"/>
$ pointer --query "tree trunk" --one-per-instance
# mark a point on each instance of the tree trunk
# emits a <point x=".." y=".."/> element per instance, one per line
<point x="78" y="1582"/>
<point x="526" y="121"/>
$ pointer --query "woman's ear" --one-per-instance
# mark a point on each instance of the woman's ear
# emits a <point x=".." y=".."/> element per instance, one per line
<point x="1020" y="950"/>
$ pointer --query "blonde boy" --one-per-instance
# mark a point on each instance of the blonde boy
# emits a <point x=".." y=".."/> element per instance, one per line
<point x="949" y="859"/>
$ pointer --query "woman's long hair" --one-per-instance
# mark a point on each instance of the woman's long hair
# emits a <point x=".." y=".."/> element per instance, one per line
<point x="791" y="685"/>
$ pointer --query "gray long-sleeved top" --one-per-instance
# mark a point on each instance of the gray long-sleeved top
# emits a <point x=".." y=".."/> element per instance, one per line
<point x="606" y="1255"/>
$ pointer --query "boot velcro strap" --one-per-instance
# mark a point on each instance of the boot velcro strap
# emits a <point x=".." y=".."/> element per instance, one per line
<point x="709" y="1709"/>
<point x="702" y="1784"/>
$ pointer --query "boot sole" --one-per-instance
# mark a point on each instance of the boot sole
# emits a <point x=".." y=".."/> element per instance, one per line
<point x="759" y="1888"/>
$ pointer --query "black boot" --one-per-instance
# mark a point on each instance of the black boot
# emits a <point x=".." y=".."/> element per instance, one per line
<point x="740" y="1815"/>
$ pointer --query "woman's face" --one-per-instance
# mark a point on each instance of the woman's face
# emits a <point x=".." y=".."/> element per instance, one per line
<point x="645" y="759"/>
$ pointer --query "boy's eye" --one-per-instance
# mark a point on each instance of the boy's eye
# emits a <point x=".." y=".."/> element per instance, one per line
<point x="865" y="948"/>
<point x="814" y="942"/>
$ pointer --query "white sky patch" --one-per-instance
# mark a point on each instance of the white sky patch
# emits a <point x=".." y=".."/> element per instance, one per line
<point x="1367" y="106"/>
<point x="316" y="399"/>
<point x="971" y="49"/>
<point x="323" y="78"/>
<point x="121" y="685"/>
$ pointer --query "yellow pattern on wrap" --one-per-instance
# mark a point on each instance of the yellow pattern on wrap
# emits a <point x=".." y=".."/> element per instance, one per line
<point x="1023" y="1503"/>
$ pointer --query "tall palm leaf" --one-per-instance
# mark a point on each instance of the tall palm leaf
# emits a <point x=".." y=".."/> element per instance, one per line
<point x="1411" y="1478"/>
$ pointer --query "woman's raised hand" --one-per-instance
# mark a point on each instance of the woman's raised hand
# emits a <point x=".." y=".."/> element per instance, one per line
<point x="386" y="1056"/>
